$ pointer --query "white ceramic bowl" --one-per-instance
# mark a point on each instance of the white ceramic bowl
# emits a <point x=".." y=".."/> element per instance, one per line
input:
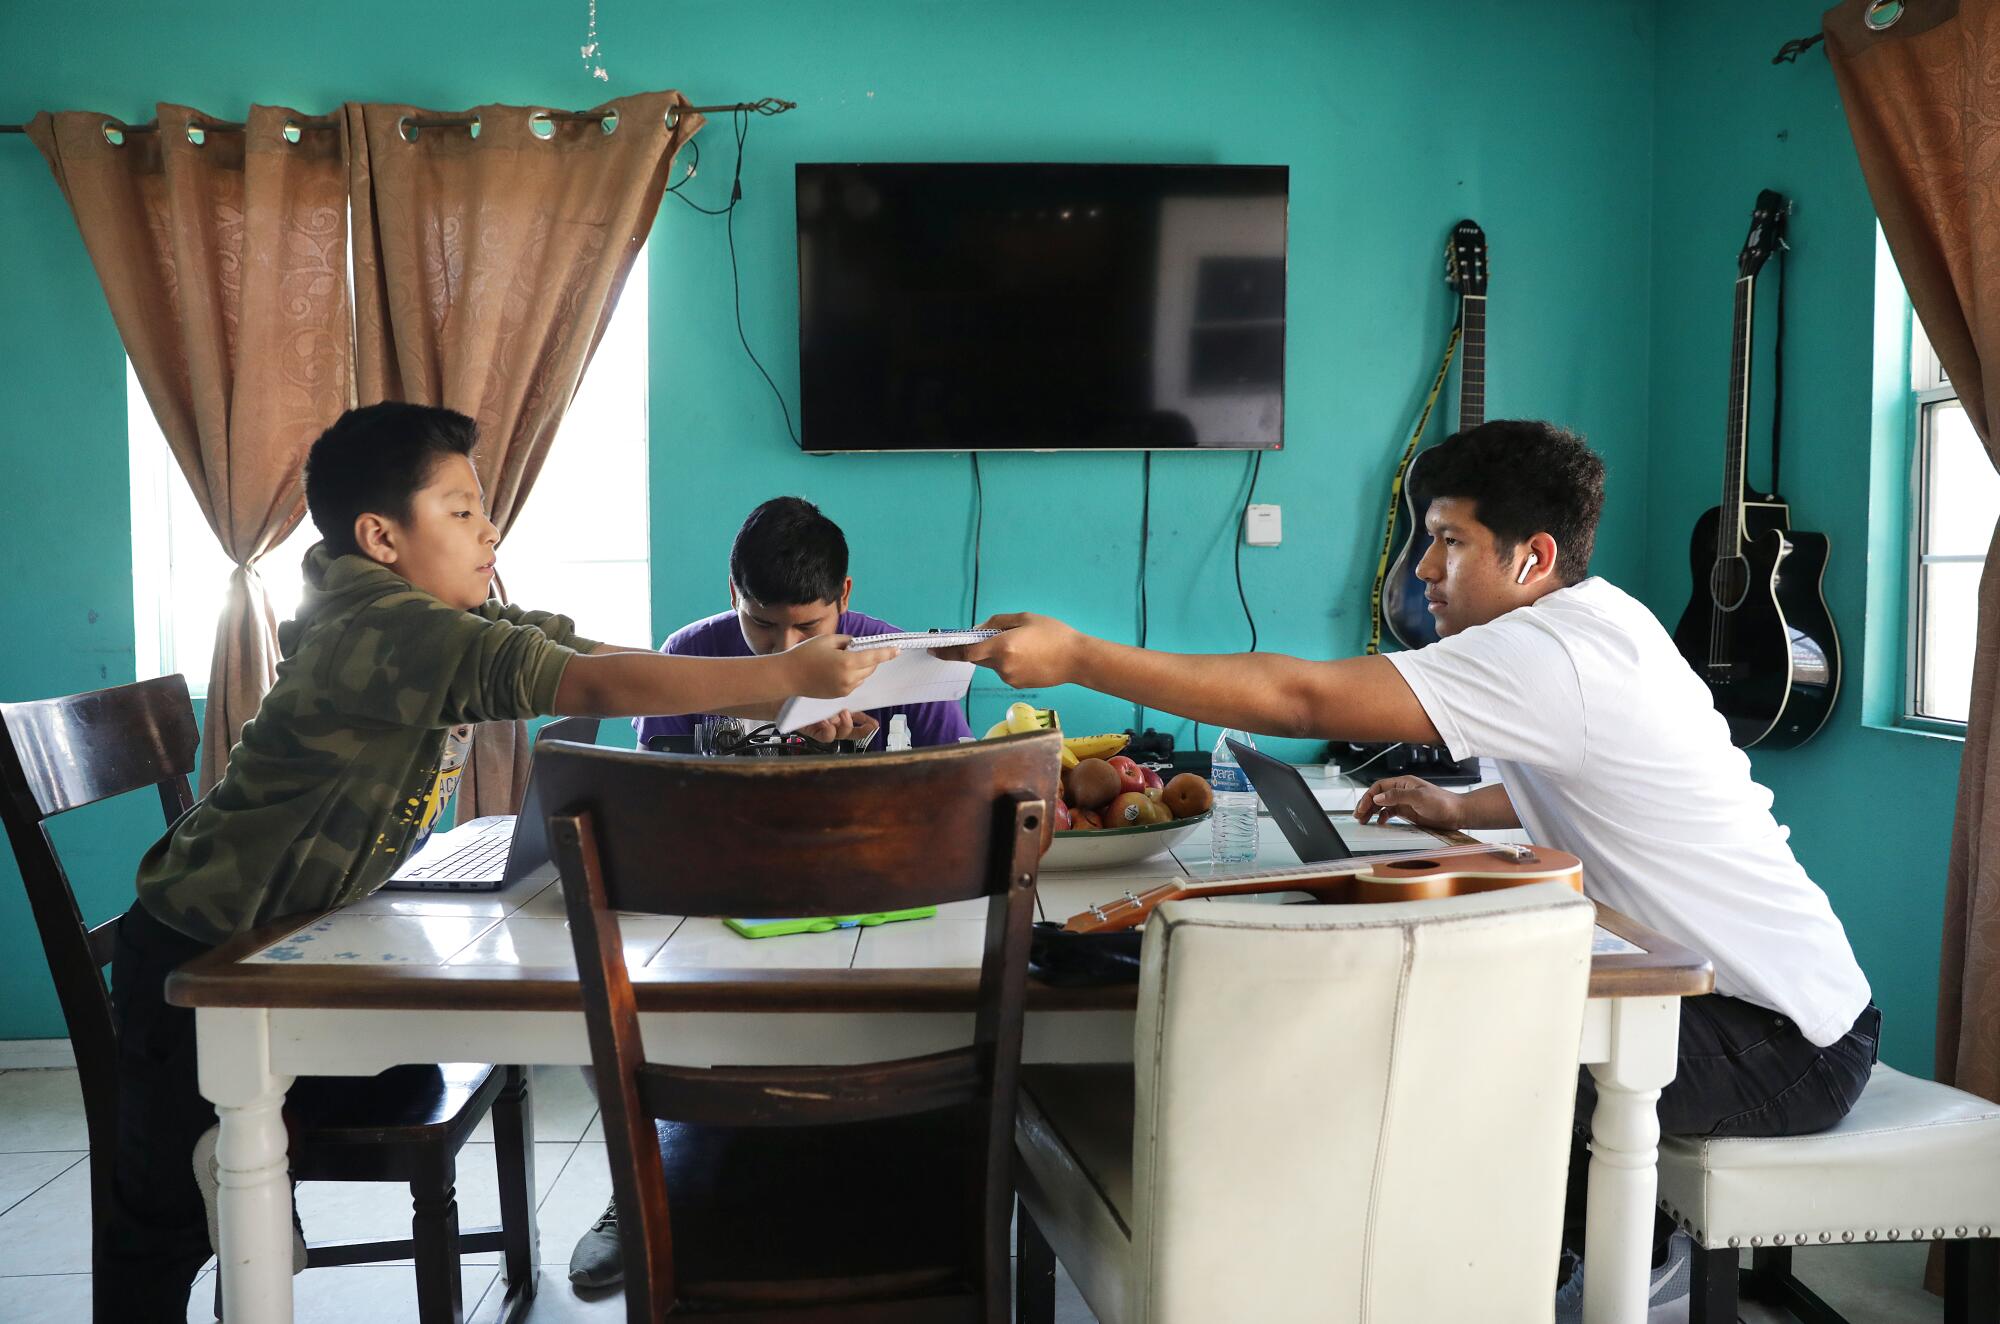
<point x="1114" y="846"/>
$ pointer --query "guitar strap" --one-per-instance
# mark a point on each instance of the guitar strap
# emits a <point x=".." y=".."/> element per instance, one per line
<point x="1396" y="495"/>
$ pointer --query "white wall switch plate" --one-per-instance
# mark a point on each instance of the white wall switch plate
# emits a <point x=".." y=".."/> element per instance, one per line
<point x="1263" y="526"/>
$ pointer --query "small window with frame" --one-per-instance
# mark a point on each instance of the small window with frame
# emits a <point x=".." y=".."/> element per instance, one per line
<point x="1955" y="495"/>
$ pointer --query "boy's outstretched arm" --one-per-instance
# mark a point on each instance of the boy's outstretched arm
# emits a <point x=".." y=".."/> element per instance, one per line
<point x="638" y="683"/>
<point x="1359" y="698"/>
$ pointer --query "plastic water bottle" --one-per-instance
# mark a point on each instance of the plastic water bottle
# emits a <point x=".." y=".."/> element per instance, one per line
<point x="1232" y="827"/>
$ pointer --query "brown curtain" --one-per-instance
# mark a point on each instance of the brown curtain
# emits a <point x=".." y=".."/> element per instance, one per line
<point x="224" y="261"/>
<point x="1924" y="108"/>
<point x="486" y="265"/>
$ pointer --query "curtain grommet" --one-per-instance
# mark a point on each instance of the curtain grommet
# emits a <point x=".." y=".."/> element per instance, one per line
<point x="1882" y="15"/>
<point x="114" y="133"/>
<point x="609" y="124"/>
<point x="196" y="134"/>
<point x="406" y="130"/>
<point x="291" y="132"/>
<point x="473" y="128"/>
<point x="673" y="117"/>
<point x="541" y="125"/>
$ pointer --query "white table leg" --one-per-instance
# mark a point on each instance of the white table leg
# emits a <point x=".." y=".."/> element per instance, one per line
<point x="1625" y="1156"/>
<point x="255" y="1258"/>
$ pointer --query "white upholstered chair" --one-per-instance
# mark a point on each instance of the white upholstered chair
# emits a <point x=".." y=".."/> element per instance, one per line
<point x="1337" y="1113"/>
<point x="1914" y="1161"/>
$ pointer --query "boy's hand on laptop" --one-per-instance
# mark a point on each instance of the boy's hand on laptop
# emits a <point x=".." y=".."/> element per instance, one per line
<point x="1413" y="799"/>
<point x="1030" y="652"/>
<point x="843" y="725"/>
<point x="826" y="668"/>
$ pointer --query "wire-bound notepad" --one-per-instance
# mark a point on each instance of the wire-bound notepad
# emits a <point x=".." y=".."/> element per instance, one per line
<point x="913" y="676"/>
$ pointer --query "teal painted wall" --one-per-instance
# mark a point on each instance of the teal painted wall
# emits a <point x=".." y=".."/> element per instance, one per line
<point x="1870" y="810"/>
<point x="1396" y="121"/>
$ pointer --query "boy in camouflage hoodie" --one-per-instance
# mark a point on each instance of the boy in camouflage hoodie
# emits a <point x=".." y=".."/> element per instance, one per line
<point x="396" y="648"/>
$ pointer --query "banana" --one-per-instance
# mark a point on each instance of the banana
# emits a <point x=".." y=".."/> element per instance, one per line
<point x="1096" y="747"/>
<point x="995" y="731"/>
<point x="1069" y="758"/>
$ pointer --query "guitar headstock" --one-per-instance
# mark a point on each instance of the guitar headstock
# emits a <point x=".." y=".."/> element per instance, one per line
<point x="1465" y="259"/>
<point x="1767" y="232"/>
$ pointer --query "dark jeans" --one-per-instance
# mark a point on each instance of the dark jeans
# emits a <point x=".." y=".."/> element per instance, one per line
<point x="154" y="1237"/>
<point x="1744" y="1071"/>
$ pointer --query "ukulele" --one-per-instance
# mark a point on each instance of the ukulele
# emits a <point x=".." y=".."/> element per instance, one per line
<point x="1756" y="629"/>
<point x="1403" y="609"/>
<point x="1404" y="876"/>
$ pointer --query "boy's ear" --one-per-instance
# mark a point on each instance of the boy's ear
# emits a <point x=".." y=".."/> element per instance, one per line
<point x="846" y="592"/>
<point x="376" y="537"/>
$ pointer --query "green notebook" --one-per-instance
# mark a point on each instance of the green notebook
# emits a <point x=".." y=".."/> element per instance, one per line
<point x="773" y="928"/>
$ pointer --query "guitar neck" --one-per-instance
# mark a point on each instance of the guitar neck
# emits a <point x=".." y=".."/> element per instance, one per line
<point x="1729" y="532"/>
<point x="1472" y="369"/>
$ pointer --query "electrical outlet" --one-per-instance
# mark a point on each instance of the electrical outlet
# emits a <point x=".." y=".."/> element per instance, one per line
<point x="1263" y="526"/>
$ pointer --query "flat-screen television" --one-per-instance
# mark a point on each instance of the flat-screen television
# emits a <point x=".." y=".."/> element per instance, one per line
<point x="1041" y="307"/>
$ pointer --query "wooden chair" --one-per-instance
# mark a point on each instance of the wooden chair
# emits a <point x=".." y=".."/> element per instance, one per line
<point x="62" y="754"/>
<point x="876" y="1191"/>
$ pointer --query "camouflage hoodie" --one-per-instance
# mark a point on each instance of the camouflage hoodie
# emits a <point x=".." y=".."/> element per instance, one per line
<point x="331" y="780"/>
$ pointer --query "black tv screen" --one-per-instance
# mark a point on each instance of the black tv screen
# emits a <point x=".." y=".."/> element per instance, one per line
<point x="1041" y="307"/>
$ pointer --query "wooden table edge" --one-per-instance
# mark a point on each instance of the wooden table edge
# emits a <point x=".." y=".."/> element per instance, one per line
<point x="219" y="979"/>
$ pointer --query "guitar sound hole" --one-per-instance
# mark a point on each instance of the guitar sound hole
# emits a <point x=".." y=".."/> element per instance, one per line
<point x="1414" y="864"/>
<point x="1729" y="582"/>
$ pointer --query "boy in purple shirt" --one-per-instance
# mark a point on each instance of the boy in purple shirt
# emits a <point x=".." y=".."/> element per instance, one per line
<point x="788" y="582"/>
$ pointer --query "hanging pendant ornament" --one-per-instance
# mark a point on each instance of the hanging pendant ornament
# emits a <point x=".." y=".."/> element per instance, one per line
<point x="592" y="49"/>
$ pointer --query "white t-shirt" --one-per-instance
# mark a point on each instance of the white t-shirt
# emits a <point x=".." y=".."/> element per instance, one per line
<point x="1611" y="749"/>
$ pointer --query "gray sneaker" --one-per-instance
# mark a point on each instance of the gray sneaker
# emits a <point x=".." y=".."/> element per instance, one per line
<point x="1669" y="1291"/>
<point x="595" y="1262"/>
<point x="206" y="1176"/>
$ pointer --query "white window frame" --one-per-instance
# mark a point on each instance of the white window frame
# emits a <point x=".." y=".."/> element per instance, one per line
<point x="1929" y="388"/>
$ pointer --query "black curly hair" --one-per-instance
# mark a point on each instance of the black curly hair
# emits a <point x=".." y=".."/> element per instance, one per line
<point x="1524" y="477"/>
<point x="374" y="460"/>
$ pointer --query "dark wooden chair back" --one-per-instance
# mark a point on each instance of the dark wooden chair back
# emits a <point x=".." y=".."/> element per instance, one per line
<point x="686" y="835"/>
<point x="62" y="754"/>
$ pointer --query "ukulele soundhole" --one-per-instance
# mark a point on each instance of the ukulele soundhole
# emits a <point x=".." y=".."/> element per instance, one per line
<point x="1414" y="864"/>
<point x="1729" y="582"/>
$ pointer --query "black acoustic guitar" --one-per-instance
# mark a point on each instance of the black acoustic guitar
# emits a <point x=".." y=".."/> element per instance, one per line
<point x="1403" y="609"/>
<point x="1757" y="630"/>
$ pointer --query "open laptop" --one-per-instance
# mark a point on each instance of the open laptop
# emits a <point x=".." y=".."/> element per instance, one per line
<point x="496" y="851"/>
<point x="1294" y="808"/>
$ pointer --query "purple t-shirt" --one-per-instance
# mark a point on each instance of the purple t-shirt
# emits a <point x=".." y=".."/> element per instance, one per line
<point x="722" y="636"/>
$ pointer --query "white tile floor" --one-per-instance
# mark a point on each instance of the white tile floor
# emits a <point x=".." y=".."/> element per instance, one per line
<point x="45" y="1211"/>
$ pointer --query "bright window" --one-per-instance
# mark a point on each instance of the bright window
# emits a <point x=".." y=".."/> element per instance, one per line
<point x="580" y="546"/>
<point x="1956" y="496"/>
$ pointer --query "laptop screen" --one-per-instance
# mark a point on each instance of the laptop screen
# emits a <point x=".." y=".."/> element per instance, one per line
<point x="1294" y="808"/>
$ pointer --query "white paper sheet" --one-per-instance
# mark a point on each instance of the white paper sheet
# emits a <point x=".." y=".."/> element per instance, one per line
<point x="912" y="676"/>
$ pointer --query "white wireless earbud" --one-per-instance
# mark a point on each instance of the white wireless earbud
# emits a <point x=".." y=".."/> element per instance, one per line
<point x="1533" y="561"/>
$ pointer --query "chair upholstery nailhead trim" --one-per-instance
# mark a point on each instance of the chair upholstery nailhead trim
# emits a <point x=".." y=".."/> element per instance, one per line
<point x="1937" y="1233"/>
<point x="1847" y="1236"/>
<point x="1869" y="1234"/>
<point x="1825" y="1237"/>
<point x="1734" y="1242"/>
<point x="1960" y="1233"/>
<point x="1894" y="1233"/>
<point x="1756" y="1241"/>
<point x="1985" y="1231"/>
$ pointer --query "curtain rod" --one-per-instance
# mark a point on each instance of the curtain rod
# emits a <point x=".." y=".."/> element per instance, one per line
<point x="763" y="106"/>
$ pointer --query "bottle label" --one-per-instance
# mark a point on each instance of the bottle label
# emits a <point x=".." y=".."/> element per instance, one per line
<point x="1228" y="777"/>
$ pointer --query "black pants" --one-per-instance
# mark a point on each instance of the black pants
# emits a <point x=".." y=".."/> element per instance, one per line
<point x="154" y="1237"/>
<point x="1744" y="1070"/>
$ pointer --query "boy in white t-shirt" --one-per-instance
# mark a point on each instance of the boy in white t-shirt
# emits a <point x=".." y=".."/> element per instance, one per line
<point x="1608" y="745"/>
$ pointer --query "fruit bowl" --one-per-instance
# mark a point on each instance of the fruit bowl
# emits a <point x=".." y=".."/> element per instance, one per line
<point x="1108" y="847"/>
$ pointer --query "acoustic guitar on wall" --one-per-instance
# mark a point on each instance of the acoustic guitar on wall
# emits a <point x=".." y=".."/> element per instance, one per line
<point x="1757" y="630"/>
<point x="1403" y="609"/>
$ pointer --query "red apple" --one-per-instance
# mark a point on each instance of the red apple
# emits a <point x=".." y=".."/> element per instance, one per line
<point x="1085" y="820"/>
<point x="1153" y="779"/>
<point x="1060" y="812"/>
<point x="1131" y="776"/>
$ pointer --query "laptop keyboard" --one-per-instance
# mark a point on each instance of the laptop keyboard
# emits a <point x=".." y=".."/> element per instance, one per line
<point x="484" y="857"/>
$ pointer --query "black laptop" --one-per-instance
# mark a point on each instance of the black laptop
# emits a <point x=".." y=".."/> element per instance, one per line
<point x="1294" y="808"/>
